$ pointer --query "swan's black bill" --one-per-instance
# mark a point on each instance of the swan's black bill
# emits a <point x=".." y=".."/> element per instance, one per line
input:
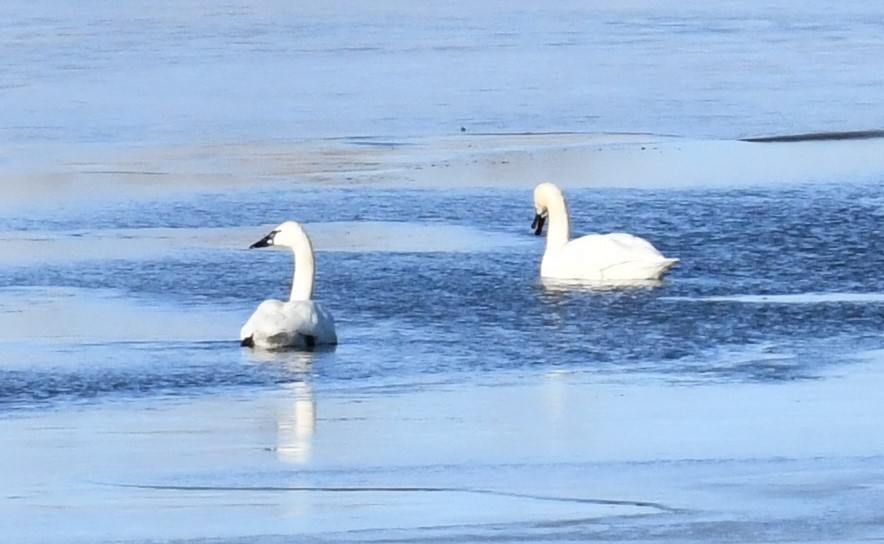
<point x="537" y="225"/>
<point x="264" y="242"/>
<point x="247" y="342"/>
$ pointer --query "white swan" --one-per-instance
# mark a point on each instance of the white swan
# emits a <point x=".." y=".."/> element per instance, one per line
<point x="300" y="322"/>
<point x="615" y="257"/>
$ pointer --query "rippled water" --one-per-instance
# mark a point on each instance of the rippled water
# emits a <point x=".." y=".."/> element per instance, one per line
<point x="411" y="316"/>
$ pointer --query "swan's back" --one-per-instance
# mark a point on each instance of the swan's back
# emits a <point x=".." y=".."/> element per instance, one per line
<point x="625" y="242"/>
<point x="293" y="324"/>
<point x="604" y="257"/>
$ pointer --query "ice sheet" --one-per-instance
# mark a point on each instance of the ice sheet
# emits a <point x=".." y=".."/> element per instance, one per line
<point x="542" y="458"/>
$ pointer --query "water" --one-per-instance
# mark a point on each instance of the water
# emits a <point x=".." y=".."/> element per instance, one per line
<point x="146" y="147"/>
<point x="183" y="72"/>
<point x="484" y="303"/>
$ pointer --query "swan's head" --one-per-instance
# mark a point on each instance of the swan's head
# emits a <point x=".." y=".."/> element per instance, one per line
<point x="544" y="194"/>
<point x="288" y="234"/>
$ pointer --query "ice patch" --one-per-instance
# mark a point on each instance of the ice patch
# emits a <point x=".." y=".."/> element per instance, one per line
<point x="799" y="298"/>
<point x="28" y="247"/>
<point x="62" y="315"/>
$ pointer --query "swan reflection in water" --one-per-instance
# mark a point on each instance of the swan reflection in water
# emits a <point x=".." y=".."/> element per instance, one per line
<point x="558" y="286"/>
<point x="295" y="408"/>
<point x="295" y="424"/>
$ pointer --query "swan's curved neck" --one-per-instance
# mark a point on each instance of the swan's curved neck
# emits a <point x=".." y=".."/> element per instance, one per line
<point x="559" y="229"/>
<point x="305" y="270"/>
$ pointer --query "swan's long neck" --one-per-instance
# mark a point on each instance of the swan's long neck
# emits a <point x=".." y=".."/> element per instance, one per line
<point x="305" y="270"/>
<point x="559" y="230"/>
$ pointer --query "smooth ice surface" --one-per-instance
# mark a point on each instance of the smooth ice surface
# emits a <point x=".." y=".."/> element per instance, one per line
<point x="29" y="247"/>
<point x="802" y="298"/>
<point x="144" y="147"/>
<point x="197" y="71"/>
<point x="547" y="457"/>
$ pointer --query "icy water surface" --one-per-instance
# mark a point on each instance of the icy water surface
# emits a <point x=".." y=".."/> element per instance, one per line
<point x="467" y="400"/>
<point x="144" y="147"/>
<point x="162" y="299"/>
<point x="196" y="71"/>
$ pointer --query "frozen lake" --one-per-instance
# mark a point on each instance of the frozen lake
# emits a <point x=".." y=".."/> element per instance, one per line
<point x="143" y="151"/>
<point x="738" y="401"/>
<point x="192" y="71"/>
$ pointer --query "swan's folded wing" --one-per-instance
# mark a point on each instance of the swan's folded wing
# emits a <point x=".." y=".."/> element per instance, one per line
<point x="267" y="317"/>
<point x="322" y="324"/>
<point x="600" y="251"/>
<point x="634" y="245"/>
<point x="602" y="257"/>
<point x="309" y="318"/>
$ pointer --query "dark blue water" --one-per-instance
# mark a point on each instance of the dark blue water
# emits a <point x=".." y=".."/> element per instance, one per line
<point x="446" y="316"/>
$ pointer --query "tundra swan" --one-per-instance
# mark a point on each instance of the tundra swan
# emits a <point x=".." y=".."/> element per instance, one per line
<point x="300" y="322"/>
<point x="614" y="257"/>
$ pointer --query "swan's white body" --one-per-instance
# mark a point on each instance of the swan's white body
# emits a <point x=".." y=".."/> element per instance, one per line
<point x="615" y="257"/>
<point x="299" y="323"/>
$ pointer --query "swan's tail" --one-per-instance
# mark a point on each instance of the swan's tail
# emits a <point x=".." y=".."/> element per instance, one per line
<point x="664" y="265"/>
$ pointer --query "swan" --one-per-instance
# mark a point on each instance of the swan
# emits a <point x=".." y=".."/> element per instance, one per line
<point x="614" y="257"/>
<point x="300" y="322"/>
